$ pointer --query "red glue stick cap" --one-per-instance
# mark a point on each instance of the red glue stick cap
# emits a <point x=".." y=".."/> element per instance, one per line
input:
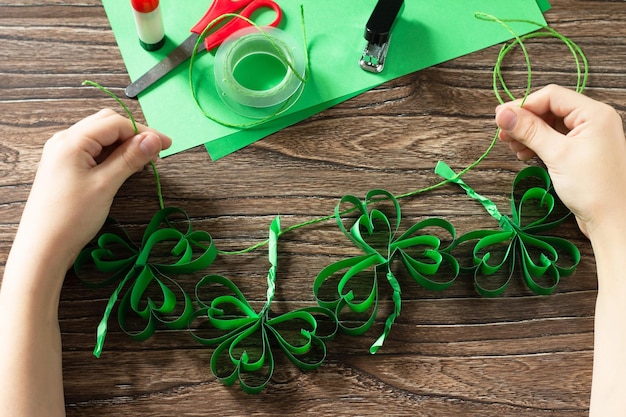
<point x="144" y="6"/>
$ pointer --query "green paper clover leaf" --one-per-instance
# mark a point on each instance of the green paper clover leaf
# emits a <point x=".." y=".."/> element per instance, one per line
<point x="375" y="234"/>
<point x="142" y="271"/>
<point x="244" y="338"/>
<point x="520" y="240"/>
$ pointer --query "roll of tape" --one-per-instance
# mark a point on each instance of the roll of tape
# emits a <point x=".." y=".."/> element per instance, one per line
<point x="252" y="75"/>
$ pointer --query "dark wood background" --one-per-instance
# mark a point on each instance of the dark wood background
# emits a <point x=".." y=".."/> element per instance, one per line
<point x="450" y="353"/>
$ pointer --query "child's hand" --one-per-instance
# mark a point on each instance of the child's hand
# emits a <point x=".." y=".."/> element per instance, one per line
<point x="582" y="143"/>
<point x="80" y="172"/>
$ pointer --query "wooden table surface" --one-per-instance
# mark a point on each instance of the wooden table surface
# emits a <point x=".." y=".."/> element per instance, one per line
<point x="449" y="353"/>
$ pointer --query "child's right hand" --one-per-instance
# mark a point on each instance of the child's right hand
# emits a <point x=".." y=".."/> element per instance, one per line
<point x="80" y="171"/>
<point x="582" y="143"/>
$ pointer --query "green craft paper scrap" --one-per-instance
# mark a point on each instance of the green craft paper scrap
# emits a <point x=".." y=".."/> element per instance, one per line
<point x="427" y="33"/>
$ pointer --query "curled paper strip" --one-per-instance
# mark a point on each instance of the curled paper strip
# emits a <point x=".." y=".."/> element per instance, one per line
<point x="142" y="272"/>
<point x="520" y="240"/>
<point x="376" y="234"/>
<point x="244" y="339"/>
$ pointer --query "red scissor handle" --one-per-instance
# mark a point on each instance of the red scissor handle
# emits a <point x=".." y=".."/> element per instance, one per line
<point x="219" y="8"/>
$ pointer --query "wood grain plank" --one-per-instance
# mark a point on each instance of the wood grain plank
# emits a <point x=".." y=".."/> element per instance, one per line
<point x="449" y="353"/>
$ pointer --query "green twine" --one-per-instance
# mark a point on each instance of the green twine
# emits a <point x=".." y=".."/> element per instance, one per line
<point x="498" y="80"/>
<point x="158" y="183"/>
<point x="582" y="69"/>
<point x="117" y="99"/>
<point x="135" y="129"/>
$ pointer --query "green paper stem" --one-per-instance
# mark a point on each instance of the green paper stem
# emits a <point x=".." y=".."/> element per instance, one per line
<point x="443" y="170"/>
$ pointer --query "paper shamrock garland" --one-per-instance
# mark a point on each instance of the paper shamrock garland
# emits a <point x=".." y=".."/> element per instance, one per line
<point x="245" y="340"/>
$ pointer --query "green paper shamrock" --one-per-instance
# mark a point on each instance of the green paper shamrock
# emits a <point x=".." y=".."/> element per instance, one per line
<point x="519" y="240"/>
<point x="137" y="269"/>
<point x="421" y="255"/>
<point x="244" y="337"/>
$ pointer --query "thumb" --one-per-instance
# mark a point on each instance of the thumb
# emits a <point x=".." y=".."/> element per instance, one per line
<point x="528" y="129"/>
<point x="131" y="156"/>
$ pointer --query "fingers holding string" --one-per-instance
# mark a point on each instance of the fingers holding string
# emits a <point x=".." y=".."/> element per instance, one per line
<point x="108" y="127"/>
<point x="540" y="125"/>
<point x="527" y="133"/>
<point x="103" y="129"/>
<point x="110" y="144"/>
<point x="564" y="109"/>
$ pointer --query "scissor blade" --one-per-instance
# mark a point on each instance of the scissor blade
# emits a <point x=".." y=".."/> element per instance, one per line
<point x="174" y="59"/>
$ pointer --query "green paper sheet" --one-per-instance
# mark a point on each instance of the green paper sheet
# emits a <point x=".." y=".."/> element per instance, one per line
<point x="426" y="34"/>
<point x="544" y="5"/>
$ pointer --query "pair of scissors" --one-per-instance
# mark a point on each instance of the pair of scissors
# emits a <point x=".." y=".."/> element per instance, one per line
<point x="183" y="51"/>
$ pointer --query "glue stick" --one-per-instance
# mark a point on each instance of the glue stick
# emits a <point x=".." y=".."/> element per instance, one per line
<point x="149" y="23"/>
